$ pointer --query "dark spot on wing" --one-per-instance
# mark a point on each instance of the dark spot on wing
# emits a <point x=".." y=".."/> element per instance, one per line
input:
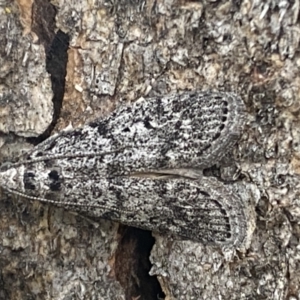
<point x="29" y="180"/>
<point x="76" y="133"/>
<point x="178" y="125"/>
<point x="55" y="181"/>
<point x="147" y="123"/>
<point x="217" y="135"/>
<point x="55" y="186"/>
<point x="93" y="124"/>
<point x="102" y="129"/>
<point x="205" y="194"/>
<point x="53" y="175"/>
<point x="126" y="129"/>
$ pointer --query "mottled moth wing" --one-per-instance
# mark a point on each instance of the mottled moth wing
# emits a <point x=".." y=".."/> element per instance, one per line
<point x="193" y="129"/>
<point x="198" y="210"/>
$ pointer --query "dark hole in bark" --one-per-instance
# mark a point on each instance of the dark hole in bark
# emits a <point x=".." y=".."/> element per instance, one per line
<point x="132" y="264"/>
<point x="56" y="47"/>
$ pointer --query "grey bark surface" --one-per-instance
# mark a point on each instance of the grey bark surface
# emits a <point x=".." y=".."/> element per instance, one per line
<point x="122" y="50"/>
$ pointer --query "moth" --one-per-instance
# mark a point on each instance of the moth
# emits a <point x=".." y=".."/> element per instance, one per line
<point x="142" y="166"/>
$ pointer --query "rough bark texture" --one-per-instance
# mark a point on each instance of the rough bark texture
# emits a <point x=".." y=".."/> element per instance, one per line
<point x="118" y="51"/>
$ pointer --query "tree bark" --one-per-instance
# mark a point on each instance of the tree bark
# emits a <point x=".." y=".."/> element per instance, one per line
<point x="67" y="62"/>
